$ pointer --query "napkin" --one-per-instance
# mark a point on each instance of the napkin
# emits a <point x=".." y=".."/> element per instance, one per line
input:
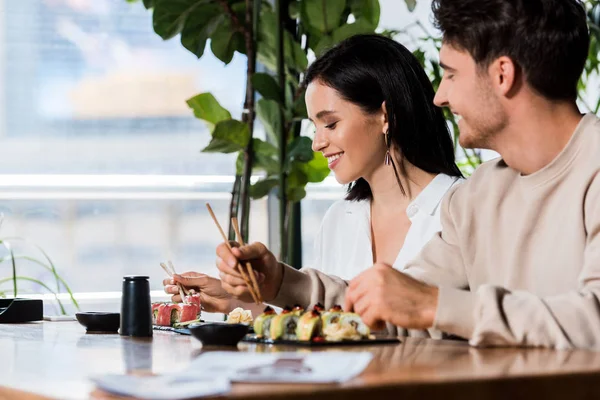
<point x="162" y="387"/>
<point x="287" y="367"/>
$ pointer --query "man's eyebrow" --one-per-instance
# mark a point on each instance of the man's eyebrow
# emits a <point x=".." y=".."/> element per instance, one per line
<point x="446" y="67"/>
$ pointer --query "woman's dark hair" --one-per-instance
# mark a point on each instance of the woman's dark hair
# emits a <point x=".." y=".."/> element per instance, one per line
<point x="547" y="39"/>
<point x="367" y="70"/>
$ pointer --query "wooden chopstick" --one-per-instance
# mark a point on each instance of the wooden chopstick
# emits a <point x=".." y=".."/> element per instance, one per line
<point x="244" y="276"/>
<point x="249" y="269"/>
<point x="178" y="285"/>
<point x="187" y="292"/>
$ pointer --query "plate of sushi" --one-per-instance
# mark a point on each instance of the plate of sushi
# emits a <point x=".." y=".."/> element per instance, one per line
<point x="317" y="327"/>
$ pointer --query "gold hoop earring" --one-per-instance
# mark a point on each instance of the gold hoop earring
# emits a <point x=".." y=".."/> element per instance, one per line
<point x="388" y="156"/>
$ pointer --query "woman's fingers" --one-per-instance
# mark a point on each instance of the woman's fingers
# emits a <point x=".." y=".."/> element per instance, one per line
<point x="176" y="299"/>
<point x="171" y="289"/>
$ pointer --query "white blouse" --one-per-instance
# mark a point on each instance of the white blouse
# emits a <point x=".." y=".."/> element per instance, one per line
<point x="343" y="245"/>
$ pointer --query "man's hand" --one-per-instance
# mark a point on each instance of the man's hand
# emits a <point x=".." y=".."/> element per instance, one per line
<point x="269" y="272"/>
<point x="383" y="294"/>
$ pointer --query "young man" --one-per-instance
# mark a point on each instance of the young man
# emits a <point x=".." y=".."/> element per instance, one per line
<point x="518" y="258"/>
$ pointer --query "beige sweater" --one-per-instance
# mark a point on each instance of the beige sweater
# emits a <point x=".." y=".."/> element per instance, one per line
<point x="518" y="258"/>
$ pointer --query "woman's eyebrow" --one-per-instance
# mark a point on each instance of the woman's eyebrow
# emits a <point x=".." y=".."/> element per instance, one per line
<point x="322" y="114"/>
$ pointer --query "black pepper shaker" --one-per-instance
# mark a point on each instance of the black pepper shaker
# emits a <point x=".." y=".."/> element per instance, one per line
<point x="136" y="308"/>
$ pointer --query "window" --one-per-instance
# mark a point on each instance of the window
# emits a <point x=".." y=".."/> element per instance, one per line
<point x="100" y="157"/>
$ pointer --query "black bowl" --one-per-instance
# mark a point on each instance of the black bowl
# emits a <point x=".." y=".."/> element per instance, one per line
<point x="99" y="321"/>
<point x="219" y="333"/>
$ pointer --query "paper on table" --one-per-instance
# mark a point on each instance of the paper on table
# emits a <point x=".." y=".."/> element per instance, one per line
<point x="162" y="387"/>
<point x="324" y="367"/>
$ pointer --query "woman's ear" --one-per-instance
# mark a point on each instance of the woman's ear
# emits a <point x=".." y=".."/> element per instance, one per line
<point x="384" y="118"/>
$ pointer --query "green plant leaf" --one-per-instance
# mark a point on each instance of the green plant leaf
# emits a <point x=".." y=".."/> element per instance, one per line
<point x="207" y="108"/>
<point x="50" y="269"/>
<point x="228" y="137"/>
<point x="262" y="187"/>
<point x="265" y="156"/>
<point x="300" y="111"/>
<point x="225" y="41"/>
<point x="348" y="30"/>
<point x="37" y="281"/>
<point x="296" y="194"/>
<point x="294" y="10"/>
<point x="420" y="55"/>
<point x="295" y="57"/>
<point x="296" y="176"/>
<point x="266" y="85"/>
<point x="239" y="163"/>
<point x="170" y="16"/>
<point x="366" y="10"/>
<point x="268" y="113"/>
<point x="411" y="4"/>
<point x="50" y="266"/>
<point x="200" y="26"/>
<point x="323" y="15"/>
<point x="317" y="169"/>
<point x="323" y="45"/>
<point x="300" y="149"/>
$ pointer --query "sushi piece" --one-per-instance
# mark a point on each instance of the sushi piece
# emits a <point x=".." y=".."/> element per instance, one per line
<point x="319" y="307"/>
<point x="193" y="298"/>
<point x="262" y="323"/>
<point x="284" y="326"/>
<point x="189" y="312"/>
<point x="332" y="316"/>
<point x="309" y="325"/>
<point x="349" y="326"/>
<point x="354" y="320"/>
<point x="298" y="310"/>
<point x="155" y="307"/>
<point x="168" y="314"/>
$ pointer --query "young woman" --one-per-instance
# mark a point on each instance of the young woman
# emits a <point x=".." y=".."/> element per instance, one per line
<point x="371" y="104"/>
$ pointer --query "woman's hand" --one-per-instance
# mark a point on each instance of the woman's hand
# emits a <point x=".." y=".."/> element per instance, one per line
<point x="213" y="297"/>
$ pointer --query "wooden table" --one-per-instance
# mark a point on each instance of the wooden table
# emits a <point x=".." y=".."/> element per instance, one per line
<point x="56" y="358"/>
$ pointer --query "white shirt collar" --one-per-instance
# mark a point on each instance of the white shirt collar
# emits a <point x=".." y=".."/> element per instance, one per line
<point x="428" y="200"/>
<point x="431" y="196"/>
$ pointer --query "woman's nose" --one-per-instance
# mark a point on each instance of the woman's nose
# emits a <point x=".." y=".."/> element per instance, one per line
<point x="319" y="142"/>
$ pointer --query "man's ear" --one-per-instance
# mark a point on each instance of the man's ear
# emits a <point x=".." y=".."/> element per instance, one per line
<point x="503" y="73"/>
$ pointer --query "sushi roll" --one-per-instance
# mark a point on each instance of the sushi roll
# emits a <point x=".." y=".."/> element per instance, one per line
<point x="189" y="312"/>
<point x="354" y="320"/>
<point x="319" y="308"/>
<point x="332" y="316"/>
<point x="283" y="326"/>
<point x="168" y="314"/>
<point x="309" y="325"/>
<point x="262" y="323"/>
